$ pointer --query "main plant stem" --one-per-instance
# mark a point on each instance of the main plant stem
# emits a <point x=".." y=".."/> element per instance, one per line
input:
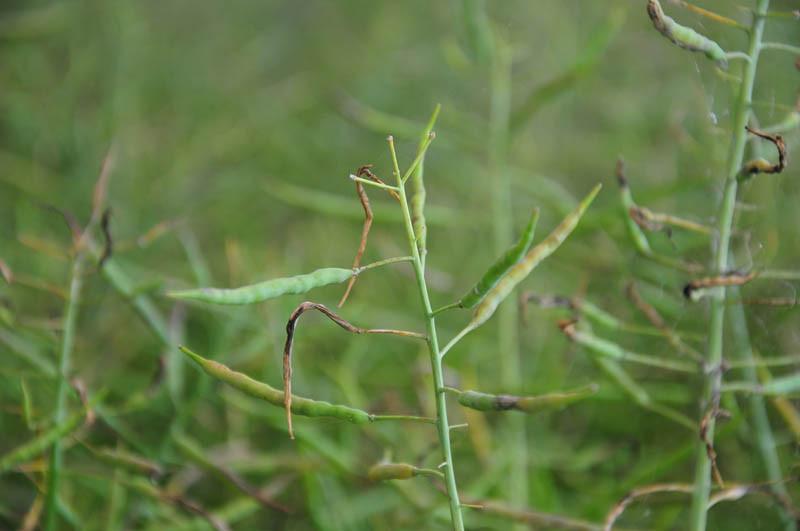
<point x="436" y="364"/>
<point x="60" y="415"/>
<point x="508" y="314"/>
<point x="702" y="481"/>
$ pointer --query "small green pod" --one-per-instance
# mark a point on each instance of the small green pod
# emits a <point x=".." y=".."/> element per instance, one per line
<point x="419" y="193"/>
<point x="635" y="232"/>
<point x="684" y="37"/>
<point x="498" y="270"/>
<point x="300" y="406"/>
<point x="487" y="402"/>
<point x="527" y="404"/>
<point x="550" y="401"/>
<point x="268" y="289"/>
<point x="534" y="257"/>
<point x="388" y="471"/>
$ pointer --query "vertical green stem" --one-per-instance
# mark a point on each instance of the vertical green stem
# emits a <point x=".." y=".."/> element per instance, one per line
<point x="436" y="363"/>
<point x="741" y="113"/>
<point x="508" y="314"/>
<point x="755" y="403"/>
<point x="60" y="414"/>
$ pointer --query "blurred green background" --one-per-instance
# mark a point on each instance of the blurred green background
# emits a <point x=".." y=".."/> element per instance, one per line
<point x="234" y="127"/>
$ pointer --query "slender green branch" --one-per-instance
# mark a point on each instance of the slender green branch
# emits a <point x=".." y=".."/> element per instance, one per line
<point x="62" y="387"/>
<point x="741" y="112"/>
<point x="455" y="340"/>
<point x="781" y="47"/>
<point x="373" y="183"/>
<point x="446" y="307"/>
<point x="433" y="347"/>
<point x="776" y="274"/>
<point x="430" y="472"/>
<point x="737" y="55"/>
<point x="765" y="441"/>
<point x="387" y="261"/>
<point x="410" y="418"/>
<point x="752" y="361"/>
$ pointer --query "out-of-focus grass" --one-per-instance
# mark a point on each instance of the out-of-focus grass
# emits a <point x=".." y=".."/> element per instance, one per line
<point x="219" y="114"/>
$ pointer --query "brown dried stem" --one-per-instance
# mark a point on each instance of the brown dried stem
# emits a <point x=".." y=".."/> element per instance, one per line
<point x="756" y="166"/>
<point x="712" y="413"/>
<point x="362" y="196"/>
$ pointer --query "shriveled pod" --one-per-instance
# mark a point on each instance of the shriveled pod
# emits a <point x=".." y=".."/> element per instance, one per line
<point x="503" y="264"/>
<point x="300" y="406"/>
<point x="526" y="404"/>
<point x="268" y="289"/>
<point x="761" y="165"/>
<point x="683" y="36"/>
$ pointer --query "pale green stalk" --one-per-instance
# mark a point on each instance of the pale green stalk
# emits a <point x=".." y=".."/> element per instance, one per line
<point x="781" y="46"/>
<point x="755" y="403"/>
<point x="62" y="387"/>
<point x="433" y="348"/>
<point x="741" y="113"/>
<point x="516" y="488"/>
<point x="373" y="183"/>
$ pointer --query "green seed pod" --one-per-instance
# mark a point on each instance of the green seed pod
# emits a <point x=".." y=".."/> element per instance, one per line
<point x="626" y="198"/>
<point x="684" y="37"/>
<point x="535" y="404"/>
<point x="498" y="270"/>
<point x="268" y="289"/>
<point x="486" y="402"/>
<point x="300" y="406"/>
<point x="522" y="269"/>
<point x="387" y="471"/>
<point x="527" y="404"/>
<point x="418" y="194"/>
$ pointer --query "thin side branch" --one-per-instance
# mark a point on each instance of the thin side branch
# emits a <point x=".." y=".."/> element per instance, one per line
<point x="287" y="350"/>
